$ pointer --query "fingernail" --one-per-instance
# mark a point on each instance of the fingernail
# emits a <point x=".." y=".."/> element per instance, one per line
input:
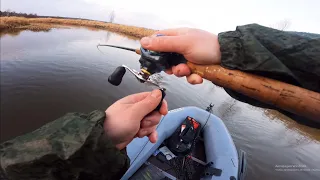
<point x="145" y="41"/>
<point x="156" y="93"/>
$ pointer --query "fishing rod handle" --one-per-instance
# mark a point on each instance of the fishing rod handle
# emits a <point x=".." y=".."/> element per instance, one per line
<point x="285" y="96"/>
<point x="138" y="51"/>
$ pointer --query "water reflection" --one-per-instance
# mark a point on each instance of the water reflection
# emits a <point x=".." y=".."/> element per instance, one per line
<point x="229" y="108"/>
<point x="312" y="134"/>
<point x="16" y="32"/>
<point x="47" y="74"/>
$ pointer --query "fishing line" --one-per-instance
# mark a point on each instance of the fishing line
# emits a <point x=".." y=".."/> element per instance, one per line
<point x="106" y="40"/>
<point x="146" y="143"/>
<point x="99" y="49"/>
<point x="206" y="121"/>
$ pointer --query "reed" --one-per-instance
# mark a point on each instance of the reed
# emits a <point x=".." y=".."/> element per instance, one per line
<point x="45" y="24"/>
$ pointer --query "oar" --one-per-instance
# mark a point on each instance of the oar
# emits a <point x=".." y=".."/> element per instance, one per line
<point x="285" y="96"/>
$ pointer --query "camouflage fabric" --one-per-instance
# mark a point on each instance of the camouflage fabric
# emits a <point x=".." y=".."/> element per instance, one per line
<point x="72" y="147"/>
<point x="291" y="57"/>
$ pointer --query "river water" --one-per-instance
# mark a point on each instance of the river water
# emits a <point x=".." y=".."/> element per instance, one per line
<point x="47" y="74"/>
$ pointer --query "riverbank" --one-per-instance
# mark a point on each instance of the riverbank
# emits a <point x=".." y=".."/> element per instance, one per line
<point x="13" y="23"/>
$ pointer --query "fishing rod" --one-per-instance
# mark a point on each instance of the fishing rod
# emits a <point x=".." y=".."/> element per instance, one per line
<point x="285" y="96"/>
<point x="119" y="47"/>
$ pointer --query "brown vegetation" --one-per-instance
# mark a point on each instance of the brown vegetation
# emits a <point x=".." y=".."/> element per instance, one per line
<point x="13" y="23"/>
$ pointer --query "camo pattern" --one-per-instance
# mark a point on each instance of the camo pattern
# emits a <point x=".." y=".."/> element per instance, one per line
<point x="72" y="147"/>
<point x="291" y="57"/>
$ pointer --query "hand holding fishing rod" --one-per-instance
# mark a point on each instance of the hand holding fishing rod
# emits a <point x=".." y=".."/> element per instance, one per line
<point x="202" y="52"/>
<point x="197" y="46"/>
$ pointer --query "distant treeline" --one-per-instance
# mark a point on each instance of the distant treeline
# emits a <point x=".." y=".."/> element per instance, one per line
<point x="34" y="15"/>
<point x="12" y="13"/>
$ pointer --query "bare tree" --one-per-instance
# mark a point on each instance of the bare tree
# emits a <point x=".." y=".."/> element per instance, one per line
<point x="8" y="11"/>
<point x="111" y="17"/>
<point x="282" y="25"/>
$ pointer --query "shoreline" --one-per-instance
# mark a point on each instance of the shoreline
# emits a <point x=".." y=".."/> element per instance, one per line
<point x="14" y="23"/>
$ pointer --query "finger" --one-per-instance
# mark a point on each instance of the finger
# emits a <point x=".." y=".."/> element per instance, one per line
<point x="134" y="98"/>
<point x="153" y="137"/>
<point x="155" y="117"/>
<point x="146" y="131"/>
<point x="168" y="71"/>
<point x="140" y="109"/>
<point x="178" y="44"/>
<point x="164" y="108"/>
<point x="181" y="70"/>
<point x="171" y="32"/>
<point x="151" y="120"/>
<point x="194" y="79"/>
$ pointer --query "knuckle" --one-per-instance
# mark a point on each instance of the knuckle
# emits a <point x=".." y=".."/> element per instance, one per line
<point x="157" y="120"/>
<point x="153" y="129"/>
<point x="146" y="123"/>
<point x="150" y="102"/>
<point x="155" y="41"/>
<point x="155" y="117"/>
<point x="140" y="134"/>
<point x="161" y="41"/>
<point x="145" y="132"/>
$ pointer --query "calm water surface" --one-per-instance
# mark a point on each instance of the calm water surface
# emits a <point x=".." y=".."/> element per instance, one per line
<point x="47" y="74"/>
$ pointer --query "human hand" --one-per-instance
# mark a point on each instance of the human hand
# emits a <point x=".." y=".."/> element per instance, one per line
<point x="197" y="46"/>
<point x="133" y="116"/>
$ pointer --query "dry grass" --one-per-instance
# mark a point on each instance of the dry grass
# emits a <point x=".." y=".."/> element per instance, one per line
<point x="45" y="24"/>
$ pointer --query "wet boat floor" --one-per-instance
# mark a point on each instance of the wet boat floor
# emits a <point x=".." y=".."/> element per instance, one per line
<point x="158" y="167"/>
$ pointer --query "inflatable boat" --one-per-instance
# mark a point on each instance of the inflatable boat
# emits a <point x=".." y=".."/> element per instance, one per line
<point x="210" y="155"/>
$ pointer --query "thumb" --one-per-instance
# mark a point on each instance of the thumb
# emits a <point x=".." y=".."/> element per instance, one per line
<point x="147" y="105"/>
<point x="176" y="44"/>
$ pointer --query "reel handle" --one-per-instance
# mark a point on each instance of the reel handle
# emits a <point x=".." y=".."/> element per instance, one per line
<point x="116" y="77"/>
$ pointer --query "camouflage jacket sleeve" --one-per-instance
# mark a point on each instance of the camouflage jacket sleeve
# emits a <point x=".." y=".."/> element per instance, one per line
<point x="73" y="147"/>
<point x="291" y="57"/>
